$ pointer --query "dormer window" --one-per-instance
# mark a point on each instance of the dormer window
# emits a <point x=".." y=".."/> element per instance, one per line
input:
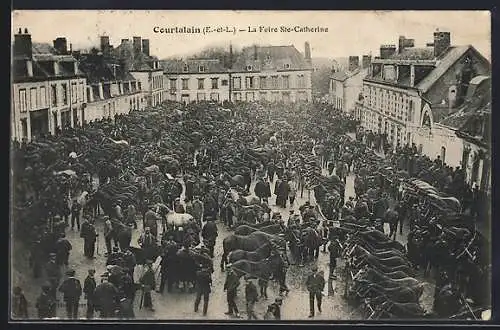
<point x="185" y="68"/>
<point x="201" y="68"/>
<point x="268" y="58"/>
<point x="286" y="65"/>
<point x="249" y="68"/>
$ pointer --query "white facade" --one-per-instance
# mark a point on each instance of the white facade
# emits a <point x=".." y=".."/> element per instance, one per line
<point x="272" y="86"/>
<point x="153" y="85"/>
<point x="196" y="87"/>
<point x="344" y="93"/>
<point x="440" y="141"/>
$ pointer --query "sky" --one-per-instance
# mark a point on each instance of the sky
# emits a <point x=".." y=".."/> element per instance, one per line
<point x="349" y="32"/>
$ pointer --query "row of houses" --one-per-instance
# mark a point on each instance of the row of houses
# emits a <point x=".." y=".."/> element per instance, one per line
<point x="437" y="97"/>
<point x="55" y="87"/>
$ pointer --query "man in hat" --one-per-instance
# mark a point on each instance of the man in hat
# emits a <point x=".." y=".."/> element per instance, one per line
<point x="251" y="297"/>
<point x="315" y="284"/>
<point x="209" y="234"/>
<point x="89" y="286"/>
<point x="198" y="209"/>
<point x="147" y="241"/>
<point x="203" y="288"/>
<point x="106" y="295"/>
<point x="63" y="248"/>
<point x="108" y="234"/>
<point x="131" y="216"/>
<point x="45" y="303"/>
<point x="75" y="214"/>
<point x="19" y="304"/>
<point x="89" y="235"/>
<point x="148" y="283"/>
<point x="125" y="236"/>
<point x="304" y="207"/>
<point x="231" y="287"/>
<point x="129" y="261"/>
<point x="53" y="274"/>
<point x="167" y="258"/>
<point x="71" y="289"/>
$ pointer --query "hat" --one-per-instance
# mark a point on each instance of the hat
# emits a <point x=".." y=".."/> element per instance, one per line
<point x="70" y="272"/>
<point x="92" y="271"/>
<point x="180" y="229"/>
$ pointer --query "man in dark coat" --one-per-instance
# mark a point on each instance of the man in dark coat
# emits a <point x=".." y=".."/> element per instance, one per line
<point x="19" y="304"/>
<point x="260" y="189"/>
<point x="75" y="215"/>
<point x="148" y="284"/>
<point x="126" y="309"/>
<point x="251" y="297"/>
<point x="106" y="295"/>
<point x="209" y="234"/>
<point x="334" y="249"/>
<point x="72" y="291"/>
<point x="231" y="287"/>
<point x="129" y="261"/>
<point x="89" y="286"/>
<point x="274" y="310"/>
<point x="125" y="236"/>
<point x="89" y="235"/>
<point x="315" y="284"/>
<point x="63" y="248"/>
<point x="169" y="253"/>
<point x="46" y="304"/>
<point x="53" y="274"/>
<point x="203" y="288"/>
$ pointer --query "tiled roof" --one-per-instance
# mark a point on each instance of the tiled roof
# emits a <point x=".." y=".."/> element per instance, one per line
<point x="340" y="76"/>
<point x="450" y="57"/>
<point x="414" y="53"/>
<point x="272" y="58"/>
<point x="177" y="66"/>
<point x="344" y="75"/>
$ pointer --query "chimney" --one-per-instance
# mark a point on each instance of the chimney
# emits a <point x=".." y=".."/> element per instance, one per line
<point x="124" y="41"/>
<point x="104" y="44"/>
<point x="137" y="44"/>
<point x="255" y="53"/>
<point x="75" y="67"/>
<point x="405" y="43"/>
<point x="71" y="49"/>
<point x="386" y="51"/>
<point x="307" y="51"/>
<point x="61" y="45"/>
<point x="367" y="60"/>
<point x="145" y="46"/>
<point x="442" y="40"/>
<point x="29" y="68"/>
<point x="429" y="44"/>
<point x="230" y="64"/>
<point x="22" y="44"/>
<point x="353" y="63"/>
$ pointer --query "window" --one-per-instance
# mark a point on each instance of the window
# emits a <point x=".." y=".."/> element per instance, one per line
<point x="201" y="96"/>
<point x="274" y="82"/>
<point x="22" y="100"/>
<point x="33" y="103"/>
<point x="301" y="82"/>
<point x="82" y="92"/>
<point x="65" y="94"/>
<point x="139" y="85"/>
<point x="201" y="68"/>
<point x="201" y="83"/>
<point x="249" y="68"/>
<point x="237" y="83"/>
<point x="214" y="96"/>
<point x="215" y="83"/>
<point x="173" y="84"/>
<point x="224" y="82"/>
<point x="249" y="82"/>
<point x="263" y="82"/>
<point x="286" y="66"/>
<point x="185" y="68"/>
<point x="286" y="82"/>
<point x="43" y="97"/>
<point x="74" y="92"/>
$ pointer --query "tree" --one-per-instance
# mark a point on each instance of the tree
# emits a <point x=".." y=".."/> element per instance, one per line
<point x="321" y="81"/>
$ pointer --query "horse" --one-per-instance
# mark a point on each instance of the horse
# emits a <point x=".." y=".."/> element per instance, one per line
<point x="257" y="255"/>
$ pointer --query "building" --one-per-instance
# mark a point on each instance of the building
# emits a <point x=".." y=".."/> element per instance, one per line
<point x="272" y="73"/>
<point x="111" y="89"/>
<point x="345" y="86"/>
<point x="408" y="89"/>
<point x="196" y="80"/>
<point x="48" y="90"/>
<point x="144" y="68"/>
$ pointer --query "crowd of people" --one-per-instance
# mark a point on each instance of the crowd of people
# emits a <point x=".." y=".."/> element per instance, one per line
<point x="210" y="156"/>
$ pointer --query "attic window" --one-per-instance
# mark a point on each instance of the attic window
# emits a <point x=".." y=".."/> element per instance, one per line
<point x="201" y="68"/>
<point x="268" y="58"/>
<point x="286" y="65"/>
<point x="249" y="68"/>
<point x="185" y="68"/>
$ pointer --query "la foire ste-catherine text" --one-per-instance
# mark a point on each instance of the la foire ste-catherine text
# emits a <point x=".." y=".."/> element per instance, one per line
<point x="235" y="30"/>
